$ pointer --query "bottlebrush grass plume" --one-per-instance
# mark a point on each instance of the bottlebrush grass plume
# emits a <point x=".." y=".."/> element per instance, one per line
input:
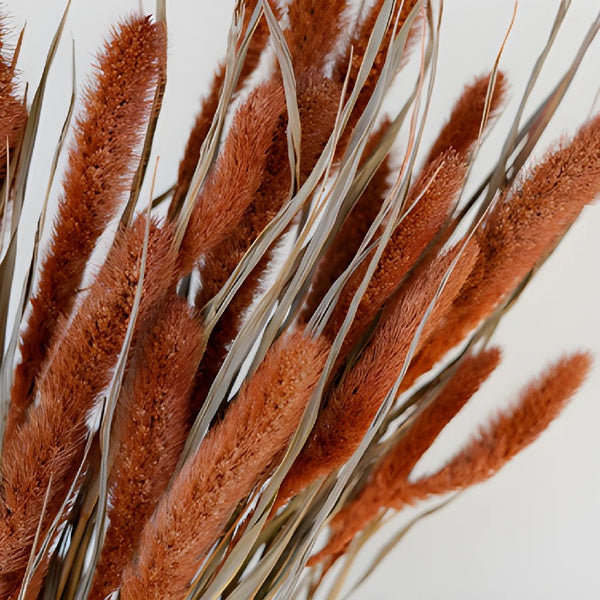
<point x="100" y="171"/>
<point x="151" y="426"/>
<point x="318" y="100"/>
<point x="345" y="245"/>
<point x="466" y="119"/>
<point x="47" y="450"/>
<point x="232" y="460"/>
<point x="353" y="404"/>
<point x="165" y="497"/>
<point x="208" y="107"/>
<point x="233" y="183"/>
<point x="13" y="115"/>
<point x="509" y="433"/>
<point x="525" y="225"/>
<point x="428" y="207"/>
<point x="314" y="31"/>
<point x="395" y="467"/>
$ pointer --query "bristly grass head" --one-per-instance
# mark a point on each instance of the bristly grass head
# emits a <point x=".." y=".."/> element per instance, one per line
<point x="238" y="376"/>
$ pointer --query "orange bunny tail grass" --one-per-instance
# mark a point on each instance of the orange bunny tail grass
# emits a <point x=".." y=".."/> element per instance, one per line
<point x="463" y="127"/>
<point x="233" y="183"/>
<point x="396" y="466"/>
<point x="429" y="204"/>
<point x="353" y="404"/>
<point x="43" y="455"/>
<point x="314" y="31"/>
<point x="149" y="434"/>
<point x="524" y="227"/>
<point x="237" y="454"/>
<point x="347" y="241"/>
<point x="512" y="431"/>
<point x="102" y="161"/>
<point x="318" y="100"/>
<point x="208" y="107"/>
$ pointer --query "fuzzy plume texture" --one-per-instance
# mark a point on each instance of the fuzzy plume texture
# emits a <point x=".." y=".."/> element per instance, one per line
<point x="421" y="432"/>
<point x="232" y="460"/>
<point x="149" y="433"/>
<point x="184" y="426"/>
<point x="101" y="165"/>
<point x="506" y="435"/>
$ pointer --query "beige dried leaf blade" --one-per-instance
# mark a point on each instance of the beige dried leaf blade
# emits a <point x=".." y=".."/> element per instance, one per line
<point x="247" y="541"/>
<point x="284" y="58"/>
<point x="237" y="46"/>
<point x="298" y="554"/>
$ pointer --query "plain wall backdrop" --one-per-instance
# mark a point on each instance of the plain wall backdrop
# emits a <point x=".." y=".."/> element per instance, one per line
<point x="533" y="532"/>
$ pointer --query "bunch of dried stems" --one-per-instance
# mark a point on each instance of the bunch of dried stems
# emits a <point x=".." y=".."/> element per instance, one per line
<point x="212" y="417"/>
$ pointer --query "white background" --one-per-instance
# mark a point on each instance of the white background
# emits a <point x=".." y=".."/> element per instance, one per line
<point x="532" y="532"/>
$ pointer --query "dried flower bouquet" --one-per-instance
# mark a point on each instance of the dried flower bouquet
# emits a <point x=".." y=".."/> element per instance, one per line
<point x="233" y="398"/>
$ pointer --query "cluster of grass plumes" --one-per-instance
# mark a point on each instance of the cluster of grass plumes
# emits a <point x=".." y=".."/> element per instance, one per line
<point x="189" y="421"/>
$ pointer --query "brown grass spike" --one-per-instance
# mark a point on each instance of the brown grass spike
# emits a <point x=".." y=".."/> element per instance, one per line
<point x="317" y="102"/>
<point x="525" y="225"/>
<point x="463" y="126"/>
<point x="236" y="455"/>
<point x="49" y="446"/>
<point x="397" y="464"/>
<point x="315" y="29"/>
<point x="13" y="114"/>
<point x="436" y="191"/>
<point x="101" y="166"/>
<point x="353" y="404"/>
<point x="509" y="433"/>
<point x="151" y="426"/>
<point x="237" y="175"/>
<point x="210" y="102"/>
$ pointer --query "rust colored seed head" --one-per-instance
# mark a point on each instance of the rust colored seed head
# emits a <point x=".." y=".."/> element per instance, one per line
<point x="512" y="431"/>
<point x="45" y="453"/>
<point x="523" y="228"/>
<point x="315" y="28"/>
<point x="208" y="107"/>
<point x="100" y="170"/>
<point x="396" y="466"/>
<point x="318" y="99"/>
<point x="13" y="117"/>
<point x="353" y="404"/>
<point x="238" y="174"/>
<point x="237" y="454"/>
<point x="346" y="243"/>
<point x="13" y="113"/>
<point x="438" y="185"/>
<point x="151" y="425"/>
<point x="463" y="126"/>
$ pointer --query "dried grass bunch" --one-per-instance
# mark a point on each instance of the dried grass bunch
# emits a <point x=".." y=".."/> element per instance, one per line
<point x="248" y="381"/>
